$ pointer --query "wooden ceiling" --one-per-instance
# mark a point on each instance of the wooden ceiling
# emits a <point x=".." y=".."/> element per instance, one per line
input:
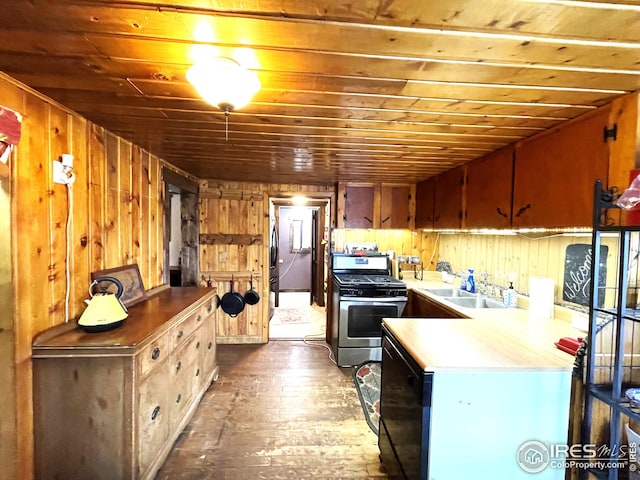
<point x="357" y="90"/>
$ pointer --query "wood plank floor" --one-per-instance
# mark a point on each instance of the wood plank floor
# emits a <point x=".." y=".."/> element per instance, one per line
<point x="278" y="411"/>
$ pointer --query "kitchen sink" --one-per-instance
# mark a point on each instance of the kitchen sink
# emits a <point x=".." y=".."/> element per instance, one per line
<point x="475" y="302"/>
<point x="449" y="292"/>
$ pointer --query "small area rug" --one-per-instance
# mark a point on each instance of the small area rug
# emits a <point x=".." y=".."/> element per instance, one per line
<point x="366" y="377"/>
<point x="290" y="315"/>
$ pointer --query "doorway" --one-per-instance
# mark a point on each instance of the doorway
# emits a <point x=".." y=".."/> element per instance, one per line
<point x="298" y="252"/>
<point x="181" y="230"/>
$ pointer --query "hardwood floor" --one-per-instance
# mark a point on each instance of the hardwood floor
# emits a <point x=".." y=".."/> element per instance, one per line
<point x="278" y="411"/>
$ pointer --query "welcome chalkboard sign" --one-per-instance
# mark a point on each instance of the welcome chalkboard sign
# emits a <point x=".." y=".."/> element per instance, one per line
<point x="577" y="273"/>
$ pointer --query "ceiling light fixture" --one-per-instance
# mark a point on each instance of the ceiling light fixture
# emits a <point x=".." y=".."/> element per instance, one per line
<point x="224" y="83"/>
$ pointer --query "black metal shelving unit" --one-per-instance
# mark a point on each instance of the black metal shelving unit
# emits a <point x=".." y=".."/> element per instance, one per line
<point x="613" y="353"/>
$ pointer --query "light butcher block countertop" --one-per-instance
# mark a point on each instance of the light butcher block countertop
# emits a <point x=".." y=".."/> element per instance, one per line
<point x="488" y="339"/>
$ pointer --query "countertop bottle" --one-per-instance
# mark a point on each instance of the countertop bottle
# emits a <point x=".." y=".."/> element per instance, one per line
<point x="471" y="283"/>
<point x="510" y="298"/>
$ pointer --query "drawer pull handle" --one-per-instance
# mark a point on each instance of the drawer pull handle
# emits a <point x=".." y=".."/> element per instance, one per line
<point x="210" y="345"/>
<point x="198" y="372"/>
<point x="155" y="413"/>
<point x="178" y="366"/>
<point x="209" y="308"/>
<point x="155" y="354"/>
<point x="179" y="399"/>
<point x="197" y="344"/>
<point x="199" y="318"/>
<point x="180" y="333"/>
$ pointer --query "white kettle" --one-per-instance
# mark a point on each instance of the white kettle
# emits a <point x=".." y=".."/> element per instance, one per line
<point x="104" y="309"/>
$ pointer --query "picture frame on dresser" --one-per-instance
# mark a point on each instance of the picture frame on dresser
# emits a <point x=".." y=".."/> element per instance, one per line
<point x="129" y="276"/>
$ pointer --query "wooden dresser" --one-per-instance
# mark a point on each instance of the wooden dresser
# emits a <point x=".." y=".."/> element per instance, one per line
<point x="110" y="405"/>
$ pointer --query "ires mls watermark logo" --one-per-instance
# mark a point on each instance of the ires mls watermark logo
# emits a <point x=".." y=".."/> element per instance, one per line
<point x="535" y="456"/>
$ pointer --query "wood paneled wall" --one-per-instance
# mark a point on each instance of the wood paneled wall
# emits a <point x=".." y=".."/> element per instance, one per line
<point x="402" y="242"/>
<point x="115" y="210"/>
<point x="525" y="257"/>
<point x="234" y="229"/>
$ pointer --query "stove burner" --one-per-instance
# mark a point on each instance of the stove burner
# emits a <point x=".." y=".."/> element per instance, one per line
<point x="368" y="280"/>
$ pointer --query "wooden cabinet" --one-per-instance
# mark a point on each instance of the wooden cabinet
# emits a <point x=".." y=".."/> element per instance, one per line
<point x="489" y="190"/>
<point x="448" y="199"/>
<point x="425" y="203"/>
<point x="422" y="306"/>
<point x="376" y="206"/>
<point x="110" y="405"/>
<point x="542" y="182"/>
<point x="555" y="174"/>
<point x="358" y="206"/>
<point x="395" y="206"/>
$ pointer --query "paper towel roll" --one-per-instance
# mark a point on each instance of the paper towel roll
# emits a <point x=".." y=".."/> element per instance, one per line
<point x="541" y="294"/>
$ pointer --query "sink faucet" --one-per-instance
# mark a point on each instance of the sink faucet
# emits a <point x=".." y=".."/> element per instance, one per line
<point x="483" y="284"/>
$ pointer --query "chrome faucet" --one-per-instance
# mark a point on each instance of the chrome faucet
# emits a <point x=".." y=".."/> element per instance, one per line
<point x="483" y="284"/>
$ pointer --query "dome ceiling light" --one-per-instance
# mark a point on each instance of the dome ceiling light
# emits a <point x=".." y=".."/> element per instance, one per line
<point x="224" y="83"/>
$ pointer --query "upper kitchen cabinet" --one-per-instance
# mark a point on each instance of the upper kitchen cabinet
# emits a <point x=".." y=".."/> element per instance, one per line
<point x="396" y="203"/>
<point x="448" y="199"/>
<point x="555" y="174"/>
<point x="375" y="205"/>
<point x="358" y="210"/>
<point x="425" y="203"/>
<point x="489" y="190"/>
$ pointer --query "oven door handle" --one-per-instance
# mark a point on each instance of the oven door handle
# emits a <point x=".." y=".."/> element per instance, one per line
<point x="374" y="300"/>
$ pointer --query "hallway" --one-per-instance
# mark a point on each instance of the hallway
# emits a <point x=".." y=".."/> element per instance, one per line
<point x="295" y="319"/>
<point x="278" y="411"/>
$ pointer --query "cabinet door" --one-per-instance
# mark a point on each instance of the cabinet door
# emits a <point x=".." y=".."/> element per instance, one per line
<point x="420" y="306"/>
<point x="448" y="199"/>
<point x="395" y="206"/>
<point x="488" y="192"/>
<point x="555" y="174"/>
<point x="358" y="206"/>
<point x="425" y="203"/>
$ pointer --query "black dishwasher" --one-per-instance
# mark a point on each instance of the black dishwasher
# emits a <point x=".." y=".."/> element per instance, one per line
<point x="405" y="409"/>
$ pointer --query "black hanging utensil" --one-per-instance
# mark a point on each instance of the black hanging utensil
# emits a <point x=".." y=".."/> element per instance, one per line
<point x="251" y="297"/>
<point x="232" y="303"/>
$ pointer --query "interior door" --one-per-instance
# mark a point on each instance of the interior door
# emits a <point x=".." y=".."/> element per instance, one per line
<point x="274" y="266"/>
<point x="317" y="257"/>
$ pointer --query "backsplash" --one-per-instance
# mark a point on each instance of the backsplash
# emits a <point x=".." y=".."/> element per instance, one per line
<point x="521" y="256"/>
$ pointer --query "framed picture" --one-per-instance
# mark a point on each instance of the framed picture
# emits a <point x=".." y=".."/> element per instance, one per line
<point x="129" y="276"/>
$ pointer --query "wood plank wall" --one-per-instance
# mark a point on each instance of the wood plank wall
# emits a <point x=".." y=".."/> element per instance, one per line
<point x="401" y="241"/>
<point x="116" y="218"/>
<point x="525" y="257"/>
<point x="234" y="228"/>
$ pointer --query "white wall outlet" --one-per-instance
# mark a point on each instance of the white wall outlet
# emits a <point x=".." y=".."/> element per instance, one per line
<point x="62" y="173"/>
<point x="67" y="160"/>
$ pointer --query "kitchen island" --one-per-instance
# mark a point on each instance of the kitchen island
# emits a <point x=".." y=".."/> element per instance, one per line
<point x="483" y="398"/>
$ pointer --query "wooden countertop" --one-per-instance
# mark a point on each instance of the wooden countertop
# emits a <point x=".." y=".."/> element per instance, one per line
<point x="152" y="315"/>
<point x="489" y="339"/>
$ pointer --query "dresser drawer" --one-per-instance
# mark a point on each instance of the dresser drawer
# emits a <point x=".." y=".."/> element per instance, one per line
<point x="153" y="415"/>
<point x="185" y="367"/>
<point x="153" y="354"/>
<point x="180" y="332"/>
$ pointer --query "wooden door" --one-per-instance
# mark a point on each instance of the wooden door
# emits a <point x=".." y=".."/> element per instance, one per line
<point x="358" y="206"/>
<point x="555" y="174"/>
<point x="448" y="199"/>
<point x="489" y="191"/>
<point x="425" y="203"/>
<point x="395" y="206"/>
<point x="317" y="257"/>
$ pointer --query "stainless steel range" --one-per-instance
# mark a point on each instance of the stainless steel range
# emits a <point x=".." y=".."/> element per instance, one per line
<point x="364" y="292"/>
